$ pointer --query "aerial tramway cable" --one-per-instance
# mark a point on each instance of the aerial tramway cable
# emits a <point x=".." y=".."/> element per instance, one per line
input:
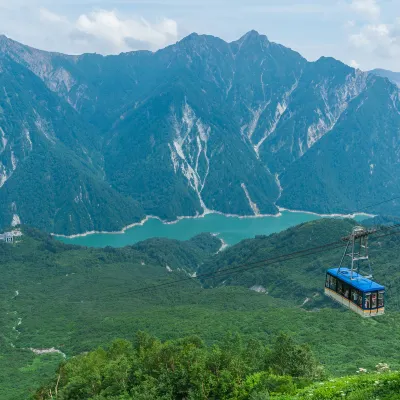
<point x="380" y="203"/>
<point x="262" y="263"/>
<point x="259" y="264"/>
<point x="325" y="247"/>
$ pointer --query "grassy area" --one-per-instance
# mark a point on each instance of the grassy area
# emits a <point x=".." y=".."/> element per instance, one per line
<point x="366" y="386"/>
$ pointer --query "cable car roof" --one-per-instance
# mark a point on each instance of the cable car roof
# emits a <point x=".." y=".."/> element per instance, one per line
<point x="358" y="281"/>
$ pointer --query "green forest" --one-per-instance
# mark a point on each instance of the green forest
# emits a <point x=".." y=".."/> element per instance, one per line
<point x="86" y="323"/>
<point x="188" y="369"/>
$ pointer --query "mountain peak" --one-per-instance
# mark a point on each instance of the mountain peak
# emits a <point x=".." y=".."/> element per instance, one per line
<point x="189" y="38"/>
<point x="193" y="35"/>
<point x="4" y="43"/>
<point x="252" y="35"/>
<point x="324" y="59"/>
<point x="196" y="40"/>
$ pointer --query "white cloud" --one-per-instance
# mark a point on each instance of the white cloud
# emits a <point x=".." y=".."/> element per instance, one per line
<point x="101" y="31"/>
<point x="359" y="40"/>
<point x="368" y="8"/>
<point x="349" y="24"/>
<point x="380" y="39"/>
<point x="376" y="38"/>
<point x="354" y="64"/>
<point x="48" y="16"/>
<point x="291" y="8"/>
<point x="119" y="34"/>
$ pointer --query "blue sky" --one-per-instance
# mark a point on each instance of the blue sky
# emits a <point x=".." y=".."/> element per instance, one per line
<point x="363" y="33"/>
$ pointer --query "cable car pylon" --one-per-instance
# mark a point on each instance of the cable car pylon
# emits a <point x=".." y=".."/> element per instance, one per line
<point x="358" y="242"/>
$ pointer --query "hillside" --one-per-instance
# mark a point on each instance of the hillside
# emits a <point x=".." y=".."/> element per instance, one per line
<point x="74" y="299"/>
<point x="96" y="143"/>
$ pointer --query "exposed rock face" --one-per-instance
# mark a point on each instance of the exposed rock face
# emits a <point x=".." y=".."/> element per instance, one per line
<point x="95" y="143"/>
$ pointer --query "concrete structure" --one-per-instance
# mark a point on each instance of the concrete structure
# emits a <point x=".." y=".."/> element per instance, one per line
<point x="7" y="237"/>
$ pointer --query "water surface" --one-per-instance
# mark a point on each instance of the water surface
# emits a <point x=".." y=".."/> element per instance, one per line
<point x="231" y="229"/>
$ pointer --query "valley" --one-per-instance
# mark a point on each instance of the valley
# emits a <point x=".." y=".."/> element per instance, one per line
<point x="229" y="229"/>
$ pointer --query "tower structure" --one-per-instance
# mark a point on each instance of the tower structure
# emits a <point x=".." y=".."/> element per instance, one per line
<point x="357" y="251"/>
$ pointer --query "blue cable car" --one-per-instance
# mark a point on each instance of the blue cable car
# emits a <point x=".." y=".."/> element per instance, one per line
<point x="351" y="288"/>
<point x="359" y="294"/>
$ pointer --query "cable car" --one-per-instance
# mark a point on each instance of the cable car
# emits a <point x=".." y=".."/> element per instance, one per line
<point x="349" y="286"/>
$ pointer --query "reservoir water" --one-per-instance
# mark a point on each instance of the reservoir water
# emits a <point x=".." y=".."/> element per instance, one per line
<point x="231" y="229"/>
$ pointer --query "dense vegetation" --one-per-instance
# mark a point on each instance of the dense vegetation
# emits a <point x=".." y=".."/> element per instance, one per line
<point x="188" y="369"/>
<point x="75" y="299"/>
<point x="185" y="369"/>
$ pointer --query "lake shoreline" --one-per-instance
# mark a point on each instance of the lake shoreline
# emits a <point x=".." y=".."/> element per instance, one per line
<point x="178" y="219"/>
<point x="209" y="212"/>
<point x="354" y="215"/>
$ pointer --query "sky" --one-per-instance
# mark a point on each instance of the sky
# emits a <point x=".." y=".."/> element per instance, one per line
<point x="361" y="33"/>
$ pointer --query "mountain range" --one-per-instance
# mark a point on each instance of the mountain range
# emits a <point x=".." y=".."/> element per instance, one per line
<point x="392" y="76"/>
<point x="97" y="142"/>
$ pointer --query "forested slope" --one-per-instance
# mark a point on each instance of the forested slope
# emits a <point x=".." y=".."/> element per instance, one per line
<point x="74" y="299"/>
<point x="301" y="278"/>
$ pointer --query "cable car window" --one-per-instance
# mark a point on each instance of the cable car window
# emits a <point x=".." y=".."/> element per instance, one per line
<point x="354" y="295"/>
<point x="367" y="303"/>
<point x="340" y="287"/>
<point x="346" y="291"/>
<point x="380" y="299"/>
<point x="328" y="282"/>
<point x="374" y="299"/>
<point x="359" y="300"/>
<point x="333" y="283"/>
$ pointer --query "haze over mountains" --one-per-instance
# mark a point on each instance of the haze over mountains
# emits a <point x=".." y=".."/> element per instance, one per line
<point x="96" y="143"/>
<point x="392" y="76"/>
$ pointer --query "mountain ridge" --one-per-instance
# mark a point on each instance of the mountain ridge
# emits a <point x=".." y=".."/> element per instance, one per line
<point x="199" y="126"/>
<point x="391" y="75"/>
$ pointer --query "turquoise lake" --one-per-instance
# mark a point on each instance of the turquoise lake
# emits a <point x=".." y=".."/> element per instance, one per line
<point x="231" y="229"/>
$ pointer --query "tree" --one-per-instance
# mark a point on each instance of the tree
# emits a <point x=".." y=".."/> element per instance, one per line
<point x="288" y="358"/>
